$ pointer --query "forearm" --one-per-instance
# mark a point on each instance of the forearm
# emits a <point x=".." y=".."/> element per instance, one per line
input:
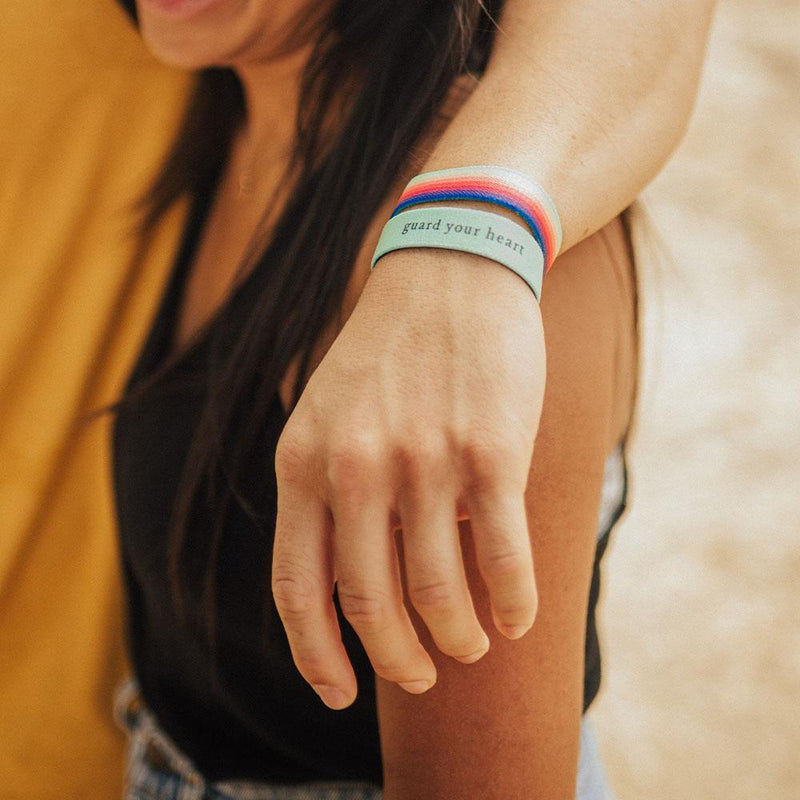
<point x="588" y="97"/>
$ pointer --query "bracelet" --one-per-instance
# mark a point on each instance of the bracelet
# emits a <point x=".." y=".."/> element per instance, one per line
<point x="470" y="231"/>
<point x="496" y="185"/>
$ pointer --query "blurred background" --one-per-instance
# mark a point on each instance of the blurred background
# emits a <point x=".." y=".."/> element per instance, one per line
<point x="701" y="611"/>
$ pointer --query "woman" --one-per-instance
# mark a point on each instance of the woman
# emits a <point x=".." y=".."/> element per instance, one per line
<point x="292" y="157"/>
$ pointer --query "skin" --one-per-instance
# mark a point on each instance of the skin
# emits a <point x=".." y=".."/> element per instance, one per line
<point x="508" y="726"/>
<point x="591" y="125"/>
<point x="366" y="452"/>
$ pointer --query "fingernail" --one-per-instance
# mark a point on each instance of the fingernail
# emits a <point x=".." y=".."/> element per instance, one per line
<point x="415" y="687"/>
<point x="332" y="697"/>
<point x="514" y="631"/>
<point x="473" y="657"/>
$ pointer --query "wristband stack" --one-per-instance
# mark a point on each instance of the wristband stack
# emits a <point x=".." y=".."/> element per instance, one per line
<point x="529" y="251"/>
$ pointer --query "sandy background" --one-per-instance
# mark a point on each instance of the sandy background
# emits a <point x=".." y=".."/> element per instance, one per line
<point x="701" y="615"/>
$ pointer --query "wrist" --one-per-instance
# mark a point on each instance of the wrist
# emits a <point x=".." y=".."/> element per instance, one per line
<point x="443" y="284"/>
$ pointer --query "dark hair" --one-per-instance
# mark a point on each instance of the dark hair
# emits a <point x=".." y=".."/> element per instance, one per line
<point x="406" y="55"/>
<point x="130" y="7"/>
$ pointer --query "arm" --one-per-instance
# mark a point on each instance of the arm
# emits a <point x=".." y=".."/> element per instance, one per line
<point x="411" y="412"/>
<point x="508" y="726"/>
<point x="589" y="97"/>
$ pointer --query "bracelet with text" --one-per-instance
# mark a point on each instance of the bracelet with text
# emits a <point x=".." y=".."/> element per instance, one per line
<point x="497" y="185"/>
<point x="467" y="230"/>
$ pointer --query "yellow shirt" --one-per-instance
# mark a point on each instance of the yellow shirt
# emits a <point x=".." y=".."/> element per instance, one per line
<point x="85" y="116"/>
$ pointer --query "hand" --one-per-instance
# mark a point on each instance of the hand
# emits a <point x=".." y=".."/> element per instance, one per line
<point x="424" y="410"/>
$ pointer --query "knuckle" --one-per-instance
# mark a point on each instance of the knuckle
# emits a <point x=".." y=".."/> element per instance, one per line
<point x="421" y="456"/>
<point x="505" y="566"/>
<point x="439" y="596"/>
<point x="352" y="465"/>
<point x="293" y="594"/>
<point x="516" y="612"/>
<point x="485" y="456"/>
<point x="367" y="613"/>
<point x="292" y="456"/>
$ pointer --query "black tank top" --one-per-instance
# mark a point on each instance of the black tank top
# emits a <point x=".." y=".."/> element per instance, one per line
<point x="239" y="709"/>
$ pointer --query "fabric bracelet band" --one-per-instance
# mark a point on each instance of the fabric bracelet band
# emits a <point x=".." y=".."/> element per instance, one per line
<point x="470" y="231"/>
<point x="497" y="185"/>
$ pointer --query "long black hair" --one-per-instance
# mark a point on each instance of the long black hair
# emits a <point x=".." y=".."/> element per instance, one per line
<point x="406" y="55"/>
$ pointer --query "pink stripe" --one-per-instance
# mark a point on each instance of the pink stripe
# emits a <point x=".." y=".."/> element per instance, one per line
<point x="532" y="206"/>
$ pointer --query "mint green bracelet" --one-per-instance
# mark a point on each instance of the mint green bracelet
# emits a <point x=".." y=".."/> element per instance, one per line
<point x="468" y="230"/>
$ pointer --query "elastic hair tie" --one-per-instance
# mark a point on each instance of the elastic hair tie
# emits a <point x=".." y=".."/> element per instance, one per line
<point x="497" y="185"/>
<point x="470" y="231"/>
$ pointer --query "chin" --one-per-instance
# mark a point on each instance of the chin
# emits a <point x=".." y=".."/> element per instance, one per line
<point x="188" y="55"/>
<point x="193" y="34"/>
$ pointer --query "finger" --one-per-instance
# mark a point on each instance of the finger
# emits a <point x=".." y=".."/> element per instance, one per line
<point x="435" y="579"/>
<point x="505" y="561"/>
<point x="370" y="591"/>
<point x="302" y="587"/>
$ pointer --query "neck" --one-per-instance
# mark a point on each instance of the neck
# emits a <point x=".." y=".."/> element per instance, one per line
<point x="272" y="96"/>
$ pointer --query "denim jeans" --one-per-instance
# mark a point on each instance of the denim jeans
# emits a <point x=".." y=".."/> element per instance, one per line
<point x="158" y="770"/>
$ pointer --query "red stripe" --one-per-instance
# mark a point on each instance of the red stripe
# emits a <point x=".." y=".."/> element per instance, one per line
<point x="532" y="206"/>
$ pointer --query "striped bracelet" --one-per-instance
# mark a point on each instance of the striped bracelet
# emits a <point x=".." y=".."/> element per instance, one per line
<point x="497" y="185"/>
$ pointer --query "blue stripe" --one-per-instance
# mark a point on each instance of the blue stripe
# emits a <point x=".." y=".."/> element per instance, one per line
<point x="474" y="194"/>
